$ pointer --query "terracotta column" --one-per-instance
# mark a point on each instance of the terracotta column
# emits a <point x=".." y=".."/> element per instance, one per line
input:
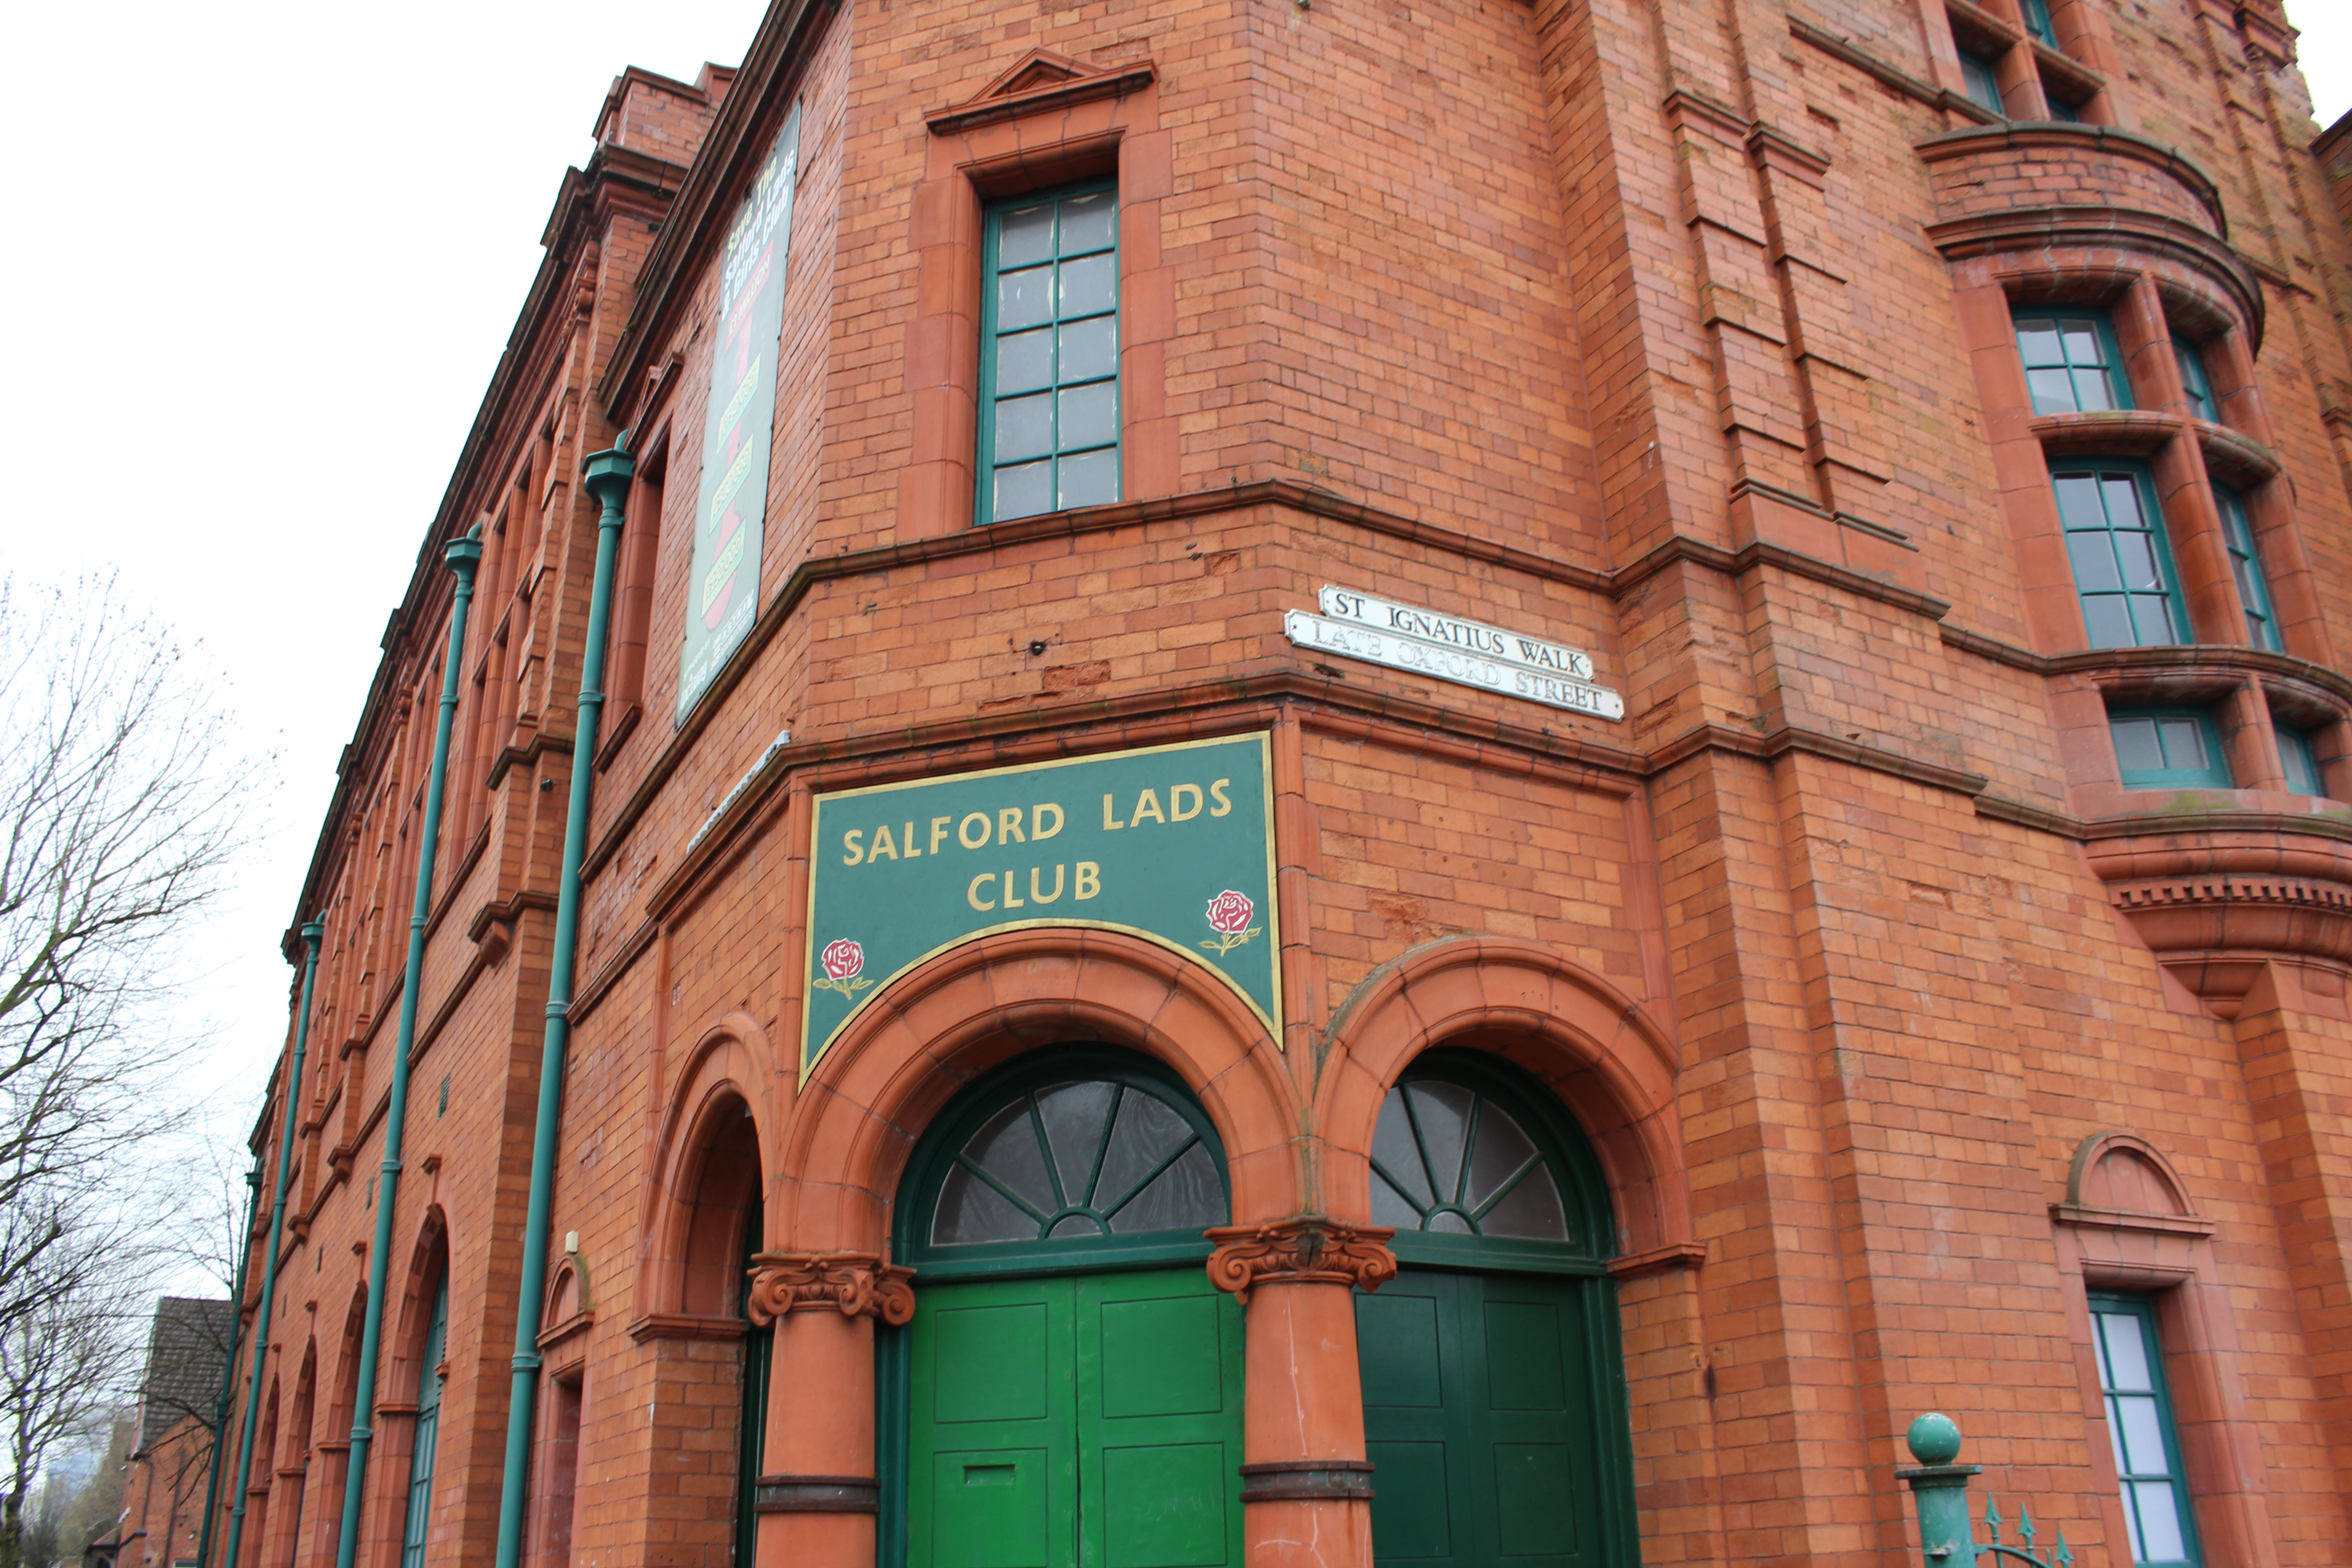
<point x="817" y="1492"/>
<point x="1306" y="1487"/>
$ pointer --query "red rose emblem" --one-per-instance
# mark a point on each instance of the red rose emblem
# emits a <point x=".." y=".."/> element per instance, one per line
<point x="841" y="961"/>
<point x="1229" y="912"/>
<point x="1229" y="917"/>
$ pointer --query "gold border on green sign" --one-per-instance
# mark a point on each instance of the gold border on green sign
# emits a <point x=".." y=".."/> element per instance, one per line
<point x="1273" y="1021"/>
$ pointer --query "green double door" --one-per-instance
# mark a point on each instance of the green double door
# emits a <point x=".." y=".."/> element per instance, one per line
<point x="1480" y="1420"/>
<point x="1080" y="1422"/>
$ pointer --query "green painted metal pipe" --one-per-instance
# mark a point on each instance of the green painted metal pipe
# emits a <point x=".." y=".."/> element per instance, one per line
<point x="228" y="1367"/>
<point x="606" y="476"/>
<point x="311" y="931"/>
<point x="463" y="556"/>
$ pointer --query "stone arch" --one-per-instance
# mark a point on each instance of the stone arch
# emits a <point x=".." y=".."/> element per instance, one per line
<point x="964" y="1011"/>
<point x="408" y="1325"/>
<point x="293" y="1463"/>
<point x="1580" y="1037"/>
<point x="335" y="1447"/>
<point x="710" y="1129"/>
<point x="2121" y="1173"/>
<point x="251" y="1543"/>
<point x="428" y="1263"/>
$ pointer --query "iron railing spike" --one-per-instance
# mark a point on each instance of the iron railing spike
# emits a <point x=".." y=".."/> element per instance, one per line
<point x="2063" y="1556"/>
<point x="2026" y="1526"/>
<point x="1992" y="1517"/>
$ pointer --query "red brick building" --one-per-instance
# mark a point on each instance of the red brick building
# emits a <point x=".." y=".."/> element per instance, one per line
<point x="1656" y="687"/>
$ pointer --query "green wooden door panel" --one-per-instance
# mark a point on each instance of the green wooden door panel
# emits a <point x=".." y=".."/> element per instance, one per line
<point x="1480" y="1417"/>
<point x="1410" y="1516"/>
<point x="1159" y="1421"/>
<point x="1061" y="1422"/>
<point x="993" y="1471"/>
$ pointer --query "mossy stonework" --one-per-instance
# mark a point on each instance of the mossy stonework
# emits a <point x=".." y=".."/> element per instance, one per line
<point x="1206" y="480"/>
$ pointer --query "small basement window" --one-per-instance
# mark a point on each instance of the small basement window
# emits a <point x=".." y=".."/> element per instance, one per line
<point x="2169" y="747"/>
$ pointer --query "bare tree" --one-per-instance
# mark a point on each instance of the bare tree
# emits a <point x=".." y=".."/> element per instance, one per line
<point x="121" y="813"/>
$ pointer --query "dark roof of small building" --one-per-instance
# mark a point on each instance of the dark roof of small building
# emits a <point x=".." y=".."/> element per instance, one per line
<point x="185" y="1351"/>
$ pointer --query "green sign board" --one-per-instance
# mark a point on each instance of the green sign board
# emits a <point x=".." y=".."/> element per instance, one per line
<point x="1173" y="844"/>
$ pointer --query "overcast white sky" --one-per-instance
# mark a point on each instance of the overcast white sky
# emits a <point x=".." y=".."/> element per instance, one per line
<point x="266" y="259"/>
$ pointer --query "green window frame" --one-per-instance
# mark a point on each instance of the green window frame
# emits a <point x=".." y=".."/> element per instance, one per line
<point x="2073" y="364"/>
<point x="1049" y="351"/>
<point x="2115" y="538"/>
<point x="2169" y="747"/>
<point x="2139" y="1409"/>
<point x="416" y="1524"/>
<point x="2299" y="759"/>
<point x="2246" y="566"/>
<point x="1983" y="82"/>
<point x="2193" y="379"/>
<point x="2037" y="22"/>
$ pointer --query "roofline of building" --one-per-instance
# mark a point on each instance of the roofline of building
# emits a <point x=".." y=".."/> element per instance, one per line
<point x="720" y="169"/>
<point x="575" y="197"/>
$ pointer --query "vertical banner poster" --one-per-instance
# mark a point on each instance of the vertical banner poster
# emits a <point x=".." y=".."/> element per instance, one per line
<point x="1173" y="844"/>
<point x="722" y="590"/>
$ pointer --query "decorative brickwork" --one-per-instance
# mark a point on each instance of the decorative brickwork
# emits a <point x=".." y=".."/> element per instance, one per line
<point x="1312" y="1249"/>
<point x="855" y="1284"/>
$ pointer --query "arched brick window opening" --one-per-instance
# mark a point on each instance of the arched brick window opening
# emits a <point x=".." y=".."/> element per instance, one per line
<point x="335" y="1442"/>
<point x="416" y="1350"/>
<point x="256" y="1492"/>
<point x="293" y="1462"/>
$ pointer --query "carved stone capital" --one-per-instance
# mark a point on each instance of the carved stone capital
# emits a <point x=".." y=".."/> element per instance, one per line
<point x="853" y="1284"/>
<point x="1309" y="1249"/>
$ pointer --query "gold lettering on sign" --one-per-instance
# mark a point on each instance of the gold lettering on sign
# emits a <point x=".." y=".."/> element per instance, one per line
<point x="1111" y="824"/>
<point x="1010" y="901"/>
<point x="854" y="851"/>
<point x="884" y="849"/>
<point x="938" y="831"/>
<point x="1217" y="794"/>
<point x="1037" y="898"/>
<point x="1147" y="804"/>
<point x="1008" y="825"/>
<point x="1089" y="880"/>
<point x="1038" y="831"/>
<point x="1176" y="812"/>
<point x="971" y="894"/>
<point x="963" y="830"/>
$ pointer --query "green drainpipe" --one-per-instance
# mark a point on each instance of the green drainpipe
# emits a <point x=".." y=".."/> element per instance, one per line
<point x="463" y="556"/>
<point x="311" y="931"/>
<point x="606" y="477"/>
<point x="229" y="1368"/>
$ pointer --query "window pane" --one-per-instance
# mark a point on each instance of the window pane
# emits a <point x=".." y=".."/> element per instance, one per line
<point x="1187" y="1195"/>
<point x="1443" y="1112"/>
<point x="2121" y="493"/>
<point x="1007" y="1149"/>
<point x="1501" y="1150"/>
<point x="1450" y="1224"/>
<point x="1024" y="426"/>
<point x="2053" y="390"/>
<point x="2301" y="761"/>
<point x="2108" y="620"/>
<point x="2159" y="1523"/>
<point x="2192" y="378"/>
<point x="1531" y="1210"/>
<point x="1393" y="1147"/>
<point x="2184" y="743"/>
<point x="1390" y="1208"/>
<point x="1024" y="360"/>
<point x="1023" y="491"/>
<point x="972" y="1211"/>
<point x="2152" y="621"/>
<point x="1145" y="1133"/>
<point x="2093" y="390"/>
<point x="2136" y="553"/>
<point x="2126" y="1358"/>
<point x="1072" y="1225"/>
<point x="1076" y="1116"/>
<point x="2135" y="746"/>
<point x="1089" y="285"/>
<point x="2037" y="342"/>
<point x="1090" y="416"/>
<point x="1983" y="86"/>
<point x="2143" y="1434"/>
<point x="1091" y="479"/>
<point x="2078" y="501"/>
<point x="2083" y="344"/>
<point x="1089" y="222"/>
<point x="1025" y="235"/>
<point x="1024" y="298"/>
<point x="1090" y="349"/>
<point x="2094" y="563"/>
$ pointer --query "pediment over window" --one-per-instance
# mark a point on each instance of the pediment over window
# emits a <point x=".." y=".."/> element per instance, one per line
<point x="2121" y="1181"/>
<point x="1039" y="82"/>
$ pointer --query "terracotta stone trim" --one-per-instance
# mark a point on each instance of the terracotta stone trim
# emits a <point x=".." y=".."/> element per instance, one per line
<point x="576" y="1323"/>
<point x="2117" y="664"/>
<point x="2001" y="808"/>
<point x="1309" y="1481"/>
<point x="682" y="1326"/>
<point x="507" y="911"/>
<point x="2125" y="1219"/>
<point x="1747" y="557"/>
<point x="2112" y="140"/>
<point x="816" y="1494"/>
<point x="2129" y="432"/>
<point x="1307" y="1249"/>
<point x="1902" y="81"/>
<point x="1663" y="1259"/>
<point x="2235" y="458"/>
<point x="1771" y="743"/>
<point x="855" y="1284"/>
<point x="545" y="743"/>
<point x="1060" y="95"/>
<point x="2083" y="226"/>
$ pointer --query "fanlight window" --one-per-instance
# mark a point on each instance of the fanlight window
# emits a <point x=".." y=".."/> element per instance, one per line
<point x="1080" y="1159"/>
<point x="1448" y="1160"/>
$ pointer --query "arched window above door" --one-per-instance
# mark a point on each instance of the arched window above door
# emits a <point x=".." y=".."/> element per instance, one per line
<point x="1079" y="1157"/>
<point x="1464" y="1159"/>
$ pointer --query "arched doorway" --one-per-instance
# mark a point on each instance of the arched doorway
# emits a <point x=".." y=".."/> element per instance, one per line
<point x="1494" y="1411"/>
<point x="1070" y="1387"/>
